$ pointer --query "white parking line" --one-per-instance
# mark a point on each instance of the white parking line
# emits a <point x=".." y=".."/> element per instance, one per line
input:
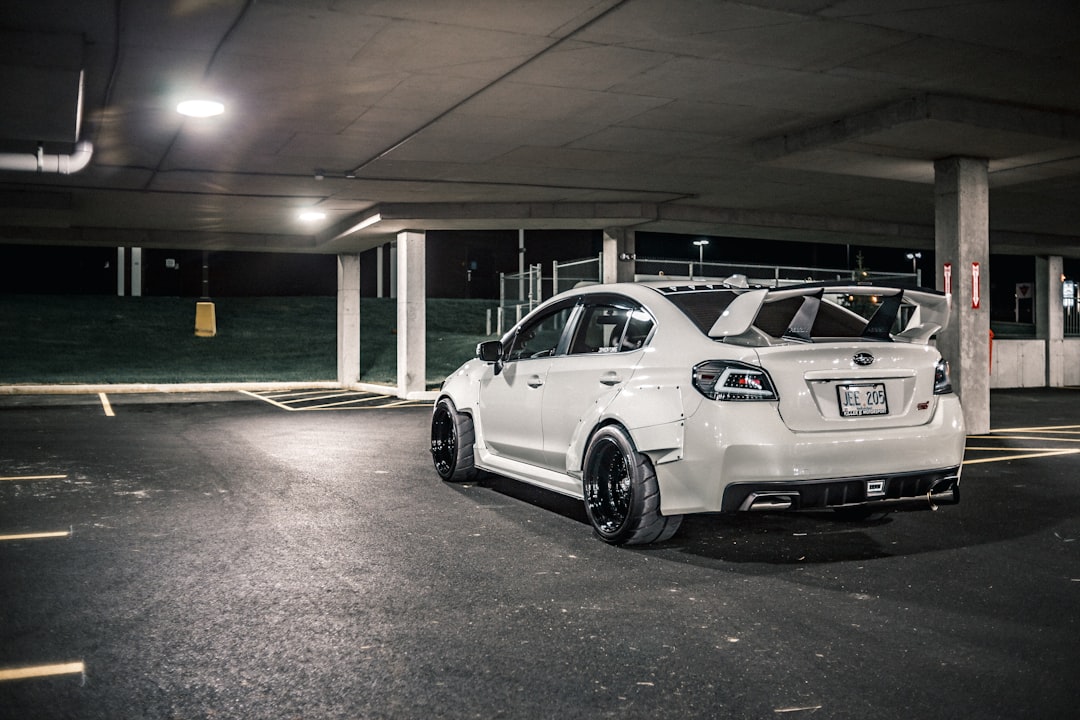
<point x="17" y="478"/>
<point x="106" y="405"/>
<point x="35" y="536"/>
<point x="36" y="671"/>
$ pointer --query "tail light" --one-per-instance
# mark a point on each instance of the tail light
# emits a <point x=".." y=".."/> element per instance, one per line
<point x="724" y="380"/>
<point x="942" y="378"/>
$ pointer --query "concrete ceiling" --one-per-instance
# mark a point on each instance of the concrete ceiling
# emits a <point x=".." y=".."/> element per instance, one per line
<point x="790" y="119"/>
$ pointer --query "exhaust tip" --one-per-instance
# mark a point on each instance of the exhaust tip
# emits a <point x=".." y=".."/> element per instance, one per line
<point x="761" y="502"/>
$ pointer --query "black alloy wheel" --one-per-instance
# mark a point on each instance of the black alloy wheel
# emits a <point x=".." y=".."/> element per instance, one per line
<point x="622" y="495"/>
<point x="452" y="440"/>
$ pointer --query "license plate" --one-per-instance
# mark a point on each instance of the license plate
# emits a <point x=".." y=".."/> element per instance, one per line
<point x="860" y="400"/>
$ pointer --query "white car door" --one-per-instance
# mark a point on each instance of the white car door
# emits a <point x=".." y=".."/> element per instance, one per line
<point x="511" y="399"/>
<point x="606" y="348"/>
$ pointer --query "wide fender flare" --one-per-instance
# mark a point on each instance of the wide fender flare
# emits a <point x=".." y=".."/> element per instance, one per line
<point x="654" y="415"/>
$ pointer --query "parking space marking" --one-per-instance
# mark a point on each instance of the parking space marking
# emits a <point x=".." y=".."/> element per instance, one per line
<point x="1023" y="456"/>
<point x="1055" y="438"/>
<point x="18" y="478"/>
<point x="36" y="671"/>
<point x="106" y="405"/>
<point x="309" y="400"/>
<point x="35" y="536"/>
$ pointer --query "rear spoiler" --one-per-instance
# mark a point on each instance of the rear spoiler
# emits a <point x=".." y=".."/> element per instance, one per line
<point x="930" y="316"/>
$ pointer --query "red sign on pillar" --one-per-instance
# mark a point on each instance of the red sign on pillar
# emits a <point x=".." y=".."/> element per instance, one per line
<point x="974" y="286"/>
<point x="947" y="275"/>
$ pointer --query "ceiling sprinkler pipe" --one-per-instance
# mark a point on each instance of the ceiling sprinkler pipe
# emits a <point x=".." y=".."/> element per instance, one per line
<point x="42" y="163"/>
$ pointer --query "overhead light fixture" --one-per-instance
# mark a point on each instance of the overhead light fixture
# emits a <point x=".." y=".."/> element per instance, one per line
<point x="312" y="216"/>
<point x="200" y="108"/>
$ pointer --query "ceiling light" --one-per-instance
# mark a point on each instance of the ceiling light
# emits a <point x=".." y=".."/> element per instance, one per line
<point x="312" y="216"/>
<point x="200" y="108"/>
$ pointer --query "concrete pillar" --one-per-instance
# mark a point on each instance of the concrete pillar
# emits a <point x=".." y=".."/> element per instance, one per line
<point x="121" y="262"/>
<point x="393" y="268"/>
<point x="136" y="272"/>
<point x="618" y="258"/>
<point x="380" y="290"/>
<point x="1050" y="316"/>
<point x="411" y="314"/>
<point x="962" y="238"/>
<point x="348" y="319"/>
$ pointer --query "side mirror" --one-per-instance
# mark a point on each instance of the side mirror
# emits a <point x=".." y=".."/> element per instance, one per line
<point x="490" y="351"/>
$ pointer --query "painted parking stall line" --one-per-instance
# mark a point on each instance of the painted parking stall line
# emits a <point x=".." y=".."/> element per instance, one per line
<point x="36" y="536"/>
<point x="39" y="671"/>
<point x="341" y="400"/>
<point x="106" y="405"/>
<point x="22" y="478"/>
<point x="31" y="672"/>
<point x="1009" y="444"/>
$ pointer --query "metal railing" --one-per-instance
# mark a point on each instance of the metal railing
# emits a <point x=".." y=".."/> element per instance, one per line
<point x="767" y="275"/>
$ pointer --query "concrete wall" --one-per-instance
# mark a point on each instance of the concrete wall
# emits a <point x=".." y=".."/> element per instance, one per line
<point x="1022" y="363"/>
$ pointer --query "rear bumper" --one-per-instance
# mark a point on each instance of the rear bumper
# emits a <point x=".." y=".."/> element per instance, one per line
<point x="923" y="490"/>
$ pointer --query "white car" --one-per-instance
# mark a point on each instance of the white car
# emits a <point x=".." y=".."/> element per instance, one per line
<point x="650" y="401"/>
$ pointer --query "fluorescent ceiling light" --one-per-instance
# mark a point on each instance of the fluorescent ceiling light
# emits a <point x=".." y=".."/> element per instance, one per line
<point x="200" y="108"/>
<point x="312" y="216"/>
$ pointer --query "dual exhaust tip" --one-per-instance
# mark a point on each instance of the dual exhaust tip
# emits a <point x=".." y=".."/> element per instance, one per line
<point x="945" y="491"/>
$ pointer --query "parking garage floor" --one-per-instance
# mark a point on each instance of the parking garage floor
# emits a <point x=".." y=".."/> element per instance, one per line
<point x="218" y="556"/>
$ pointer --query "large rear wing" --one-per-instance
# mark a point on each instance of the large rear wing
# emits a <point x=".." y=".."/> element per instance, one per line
<point x="927" y="311"/>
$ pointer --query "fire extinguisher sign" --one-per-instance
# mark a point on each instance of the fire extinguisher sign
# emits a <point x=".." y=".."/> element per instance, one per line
<point x="975" y="286"/>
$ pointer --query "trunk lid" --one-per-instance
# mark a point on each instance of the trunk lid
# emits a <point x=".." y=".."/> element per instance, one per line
<point x="852" y="385"/>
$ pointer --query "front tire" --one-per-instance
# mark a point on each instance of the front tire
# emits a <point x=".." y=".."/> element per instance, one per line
<point x="622" y="495"/>
<point x="452" y="439"/>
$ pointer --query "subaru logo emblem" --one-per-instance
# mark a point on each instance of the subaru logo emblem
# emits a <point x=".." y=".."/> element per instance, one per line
<point x="863" y="358"/>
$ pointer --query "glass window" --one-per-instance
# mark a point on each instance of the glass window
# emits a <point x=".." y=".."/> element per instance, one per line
<point x="540" y="336"/>
<point x="610" y="328"/>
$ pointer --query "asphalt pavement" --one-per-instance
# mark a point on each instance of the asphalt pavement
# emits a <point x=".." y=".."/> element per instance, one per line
<point x="219" y="556"/>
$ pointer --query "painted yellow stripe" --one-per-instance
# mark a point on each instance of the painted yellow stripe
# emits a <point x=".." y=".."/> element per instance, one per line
<point x="264" y="398"/>
<point x="36" y="671"/>
<point x="16" y="478"/>
<point x="1025" y="449"/>
<point x="1047" y="428"/>
<point x="106" y="405"/>
<point x="35" y="536"/>
<point x="1023" y="437"/>
<point x="1021" y="457"/>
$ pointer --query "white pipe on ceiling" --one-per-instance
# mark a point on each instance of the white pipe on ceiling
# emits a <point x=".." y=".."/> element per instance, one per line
<point x="43" y="163"/>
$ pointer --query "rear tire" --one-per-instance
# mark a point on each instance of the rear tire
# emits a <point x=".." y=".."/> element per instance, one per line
<point x="452" y="439"/>
<point x="622" y="496"/>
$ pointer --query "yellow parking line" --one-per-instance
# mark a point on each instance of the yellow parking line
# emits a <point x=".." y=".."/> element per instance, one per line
<point x="1023" y="437"/>
<point x="270" y="400"/>
<point x="35" y="536"/>
<point x="106" y="405"/>
<point x="33" y="477"/>
<point x="1048" y="428"/>
<point x="1024" y="456"/>
<point x="1026" y="449"/>
<point x="36" y="671"/>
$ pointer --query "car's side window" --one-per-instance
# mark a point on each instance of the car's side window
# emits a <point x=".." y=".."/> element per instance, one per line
<point x="540" y="337"/>
<point x="607" y="328"/>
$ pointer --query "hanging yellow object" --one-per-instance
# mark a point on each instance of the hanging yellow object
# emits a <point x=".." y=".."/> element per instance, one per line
<point x="205" y="320"/>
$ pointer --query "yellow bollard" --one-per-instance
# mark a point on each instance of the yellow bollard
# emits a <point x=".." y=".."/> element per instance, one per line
<point x="205" y="320"/>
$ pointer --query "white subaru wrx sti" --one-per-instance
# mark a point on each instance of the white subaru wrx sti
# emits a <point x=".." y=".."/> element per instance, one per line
<point x="651" y="401"/>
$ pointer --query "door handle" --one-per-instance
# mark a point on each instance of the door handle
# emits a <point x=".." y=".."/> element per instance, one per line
<point x="535" y="381"/>
<point x="610" y="378"/>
